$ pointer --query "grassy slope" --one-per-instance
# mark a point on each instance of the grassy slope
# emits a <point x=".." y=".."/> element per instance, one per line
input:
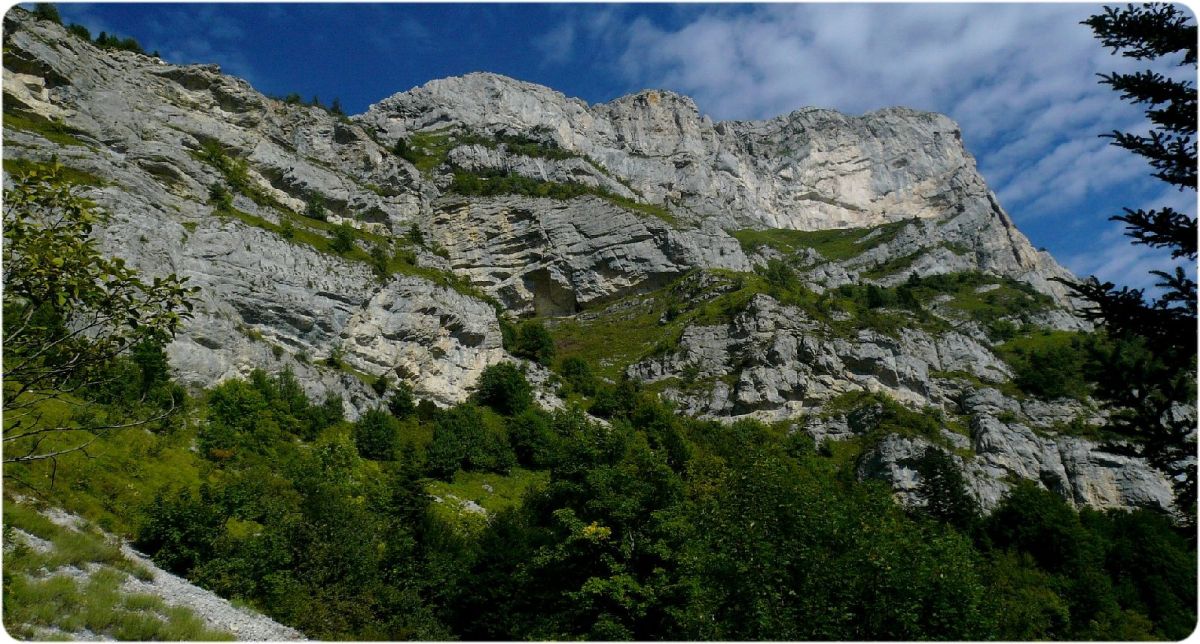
<point x="46" y="594"/>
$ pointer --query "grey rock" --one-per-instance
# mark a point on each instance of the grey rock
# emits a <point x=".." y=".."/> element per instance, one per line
<point x="267" y="302"/>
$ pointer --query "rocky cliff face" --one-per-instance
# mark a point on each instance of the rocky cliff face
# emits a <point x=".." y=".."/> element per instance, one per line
<point x="483" y="194"/>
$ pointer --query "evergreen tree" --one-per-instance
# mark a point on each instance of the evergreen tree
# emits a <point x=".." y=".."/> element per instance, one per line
<point x="1150" y="396"/>
<point x="47" y="11"/>
<point x="944" y="490"/>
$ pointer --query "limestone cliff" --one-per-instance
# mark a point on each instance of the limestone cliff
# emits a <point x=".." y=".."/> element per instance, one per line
<point x="480" y="196"/>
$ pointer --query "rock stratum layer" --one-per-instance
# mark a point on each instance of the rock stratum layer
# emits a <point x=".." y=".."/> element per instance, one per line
<point x="492" y="196"/>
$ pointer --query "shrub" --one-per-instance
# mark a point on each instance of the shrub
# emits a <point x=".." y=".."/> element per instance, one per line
<point x="1050" y="365"/>
<point x="531" y="340"/>
<point x="381" y="385"/>
<point x="80" y="31"/>
<point x="576" y="372"/>
<point x="220" y="197"/>
<point x="463" y="438"/>
<point x="314" y="208"/>
<point x="179" y="532"/>
<point x="616" y="401"/>
<point x="415" y="236"/>
<point x="402" y="403"/>
<point x="343" y="238"/>
<point x="944" y="490"/>
<point x="376" y="436"/>
<point x="379" y="259"/>
<point x="778" y="274"/>
<point x="503" y="387"/>
<point x="105" y="41"/>
<point x="533" y="440"/>
<point x="426" y="410"/>
<point x="404" y="151"/>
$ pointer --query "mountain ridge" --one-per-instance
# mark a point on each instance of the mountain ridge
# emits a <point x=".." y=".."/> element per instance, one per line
<point x="586" y="218"/>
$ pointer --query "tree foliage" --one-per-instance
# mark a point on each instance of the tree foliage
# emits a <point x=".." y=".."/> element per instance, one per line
<point x="70" y="312"/>
<point x="503" y="387"/>
<point x="47" y="11"/>
<point x="343" y="238"/>
<point x="1151" y="403"/>
<point x="529" y="339"/>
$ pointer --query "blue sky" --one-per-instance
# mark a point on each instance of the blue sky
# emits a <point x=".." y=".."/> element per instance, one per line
<point x="1019" y="79"/>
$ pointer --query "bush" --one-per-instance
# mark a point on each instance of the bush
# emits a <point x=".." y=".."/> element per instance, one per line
<point x="376" y="436"/>
<point x="463" y="438"/>
<point x="778" y="274"/>
<point x="503" y="387"/>
<point x="343" y="238"/>
<point x="380" y="257"/>
<point x="381" y="385"/>
<point x="314" y="208"/>
<point x="179" y="532"/>
<point x="80" y="31"/>
<point x="530" y="340"/>
<point x="220" y="197"/>
<point x="426" y="410"/>
<point x="415" y="236"/>
<point x="578" y="375"/>
<point x="944" y="491"/>
<point x="402" y="150"/>
<point x="1051" y="365"/>
<point x="616" y="401"/>
<point x="105" y="41"/>
<point x="402" y="403"/>
<point x="533" y="440"/>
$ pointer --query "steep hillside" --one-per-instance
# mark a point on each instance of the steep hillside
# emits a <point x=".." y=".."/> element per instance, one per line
<point x="806" y="270"/>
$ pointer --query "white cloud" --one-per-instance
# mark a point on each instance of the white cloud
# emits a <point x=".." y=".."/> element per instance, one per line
<point x="556" y="45"/>
<point x="1116" y="260"/>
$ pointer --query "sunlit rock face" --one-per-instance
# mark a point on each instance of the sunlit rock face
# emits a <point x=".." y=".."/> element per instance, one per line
<point x="656" y="192"/>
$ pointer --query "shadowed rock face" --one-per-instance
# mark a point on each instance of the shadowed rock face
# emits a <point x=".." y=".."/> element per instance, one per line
<point x="664" y="187"/>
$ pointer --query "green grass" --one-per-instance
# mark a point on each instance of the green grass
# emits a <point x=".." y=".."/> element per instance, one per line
<point x="37" y="594"/>
<point x="429" y="150"/>
<point x="834" y="245"/>
<point x="495" y="183"/>
<point x="53" y="131"/>
<point x="236" y="172"/>
<point x="507" y="492"/>
<point x="306" y="232"/>
<point x="893" y="418"/>
<point x="628" y="330"/>
<point x="72" y="175"/>
<point x="97" y="605"/>
<point x="894" y="265"/>
<point x="1052" y="364"/>
<point x="119" y="471"/>
<point x="622" y="333"/>
<point x="1010" y="299"/>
